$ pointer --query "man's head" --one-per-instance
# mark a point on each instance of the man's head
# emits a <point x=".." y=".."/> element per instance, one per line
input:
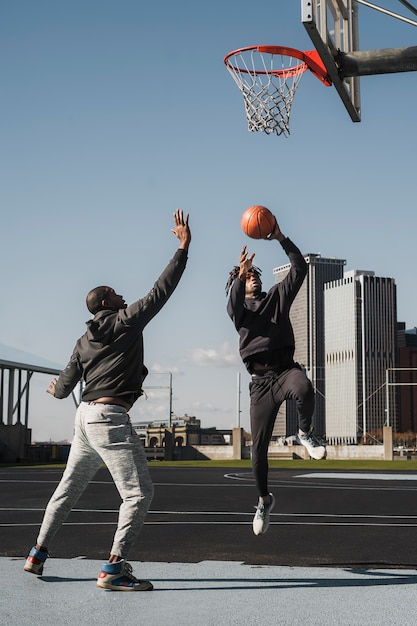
<point x="253" y="285"/>
<point x="102" y="298"/>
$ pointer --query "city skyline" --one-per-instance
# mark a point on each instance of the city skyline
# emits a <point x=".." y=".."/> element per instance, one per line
<point x="310" y="352"/>
<point x="117" y="114"/>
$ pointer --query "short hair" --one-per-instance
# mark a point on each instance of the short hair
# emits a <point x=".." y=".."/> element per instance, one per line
<point x="95" y="297"/>
<point x="234" y="273"/>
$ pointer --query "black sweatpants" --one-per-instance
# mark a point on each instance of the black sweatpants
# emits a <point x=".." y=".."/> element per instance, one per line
<point x="267" y="393"/>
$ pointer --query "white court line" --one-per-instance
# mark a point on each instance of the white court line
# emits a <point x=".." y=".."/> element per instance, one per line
<point x="233" y="513"/>
<point x="225" y="523"/>
<point x="359" y="476"/>
<point x="292" y="483"/>
<point x="52" y="482"/>
<point x="277" y="519"/>
<point x="116" y="511"/>
<point x="248" y="476"/>
<point x="110" y="482"/>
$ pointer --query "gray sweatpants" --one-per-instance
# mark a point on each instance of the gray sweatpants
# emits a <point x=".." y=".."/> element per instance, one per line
<point x="103" y="432"/>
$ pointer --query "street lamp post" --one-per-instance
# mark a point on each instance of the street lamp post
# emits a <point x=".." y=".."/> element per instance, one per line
<point x="169" y="387"/>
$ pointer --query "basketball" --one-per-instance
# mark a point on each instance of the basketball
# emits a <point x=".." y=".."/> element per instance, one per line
<point x="257" y="222"/>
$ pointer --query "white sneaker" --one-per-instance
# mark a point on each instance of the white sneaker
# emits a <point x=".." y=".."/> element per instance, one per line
<point x="261" y="520"/>
<point x="314" y="448"/>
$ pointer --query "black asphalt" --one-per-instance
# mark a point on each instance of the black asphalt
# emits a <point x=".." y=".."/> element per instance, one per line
<point x="321" y="519"/>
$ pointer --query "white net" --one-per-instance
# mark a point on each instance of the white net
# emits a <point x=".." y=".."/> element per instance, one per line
<point x="268" y="82"/>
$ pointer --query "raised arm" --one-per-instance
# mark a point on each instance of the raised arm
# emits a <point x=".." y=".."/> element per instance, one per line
<point x="182" y="230"/>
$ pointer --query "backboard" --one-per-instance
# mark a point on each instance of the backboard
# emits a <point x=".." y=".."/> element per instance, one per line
<point x="332" y="26"/>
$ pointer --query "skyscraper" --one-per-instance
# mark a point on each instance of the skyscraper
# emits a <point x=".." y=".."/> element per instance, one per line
<point x="407" y="376"/>
<point x="307" y="318"/>
<point x="360" y="317"/>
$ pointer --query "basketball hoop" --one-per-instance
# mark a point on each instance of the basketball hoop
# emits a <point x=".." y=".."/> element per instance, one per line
<point x="268" y="77"/>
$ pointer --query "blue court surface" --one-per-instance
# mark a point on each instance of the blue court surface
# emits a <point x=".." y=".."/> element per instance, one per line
<point x="341" y="549"/>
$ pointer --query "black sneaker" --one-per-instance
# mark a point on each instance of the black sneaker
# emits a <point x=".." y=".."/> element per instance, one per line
<point x="261" y="520"/>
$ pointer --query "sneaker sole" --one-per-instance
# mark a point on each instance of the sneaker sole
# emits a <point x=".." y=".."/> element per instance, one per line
<point x="317" y="457"/>
<point x="32" y="571"/>
<point x="33" y="568"/>
<point x="109" y="587"/>
<point x="264" y="529"/>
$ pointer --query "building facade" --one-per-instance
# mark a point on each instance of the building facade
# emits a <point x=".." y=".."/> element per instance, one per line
<point x="307" y="318"/>
<point x="184" y="431"/>
<point x="360" y="318"/>
<point x="406" y="376"/>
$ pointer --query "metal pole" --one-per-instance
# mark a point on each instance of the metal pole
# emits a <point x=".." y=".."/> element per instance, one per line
<point x="10" y="397"/>
<point x="238" y="399"/>
<point x="1" y="395"/>
<point x="390" y="13"/>
<point x="373" y="62"/>
<point x="19" y="396"/>
<point x="387" y="395"/>
<point x="28" y="377"/>
<point x="170" y="399"/>
<point x="409" y="6"/>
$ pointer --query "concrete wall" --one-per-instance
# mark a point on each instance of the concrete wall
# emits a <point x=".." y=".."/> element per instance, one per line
<point x="333" y="452"/>
<point x="356" y="452"/>
<point x="285" y="452"/>
<point x="216" y="452"/>
<point x="193" y="453"/>
<point x="14" y="442"/>
<point x="13" y="439"/>
<point x="202" y="453"/>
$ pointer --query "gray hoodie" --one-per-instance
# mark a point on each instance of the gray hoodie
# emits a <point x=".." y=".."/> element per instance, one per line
<point x="109" y="356"/>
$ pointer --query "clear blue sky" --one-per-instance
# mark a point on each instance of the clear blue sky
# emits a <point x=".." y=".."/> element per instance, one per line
<point x="115" y="113"/>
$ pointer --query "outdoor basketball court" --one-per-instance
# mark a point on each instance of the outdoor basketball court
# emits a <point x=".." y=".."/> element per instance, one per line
<point x="341" y="544"/>
<point x="336" y="519"/>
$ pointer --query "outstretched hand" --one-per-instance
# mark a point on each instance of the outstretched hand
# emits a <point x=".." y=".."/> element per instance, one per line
<point x="182" y="230"/>
<point x="245" y="263"/>
<point x="51" y="387"/>
<point x="276" y="233"/>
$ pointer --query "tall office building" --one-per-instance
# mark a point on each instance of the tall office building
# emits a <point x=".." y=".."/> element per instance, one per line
<point x="307" y="318"/>
<point x="360" y="316"/>
<point x="406" y="376"/>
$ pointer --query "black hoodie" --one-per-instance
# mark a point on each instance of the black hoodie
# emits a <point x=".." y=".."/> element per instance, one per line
<point x="109" y="356"/>
<point x="263" y="322"/>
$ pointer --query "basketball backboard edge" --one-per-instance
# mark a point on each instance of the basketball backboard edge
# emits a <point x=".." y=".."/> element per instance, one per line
<point x="332" y="26"/>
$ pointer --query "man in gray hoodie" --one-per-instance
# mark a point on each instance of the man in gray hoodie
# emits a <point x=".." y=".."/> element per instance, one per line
<point x="109" y="360"/>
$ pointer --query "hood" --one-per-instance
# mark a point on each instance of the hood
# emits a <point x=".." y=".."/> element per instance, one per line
<point x="100" y="328"/>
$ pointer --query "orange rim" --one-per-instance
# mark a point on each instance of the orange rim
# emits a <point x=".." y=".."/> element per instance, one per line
<point x="308" y="60"/>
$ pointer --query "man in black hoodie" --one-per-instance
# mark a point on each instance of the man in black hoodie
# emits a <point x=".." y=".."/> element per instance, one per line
<point x="109" y="359"/>
<point x="266" y="345"/>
